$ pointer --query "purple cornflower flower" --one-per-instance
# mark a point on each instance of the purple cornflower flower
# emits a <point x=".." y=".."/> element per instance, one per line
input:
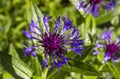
<point x="112" y="48"/>
<point x="54" y="43"/>
<point x="92" y="6"/>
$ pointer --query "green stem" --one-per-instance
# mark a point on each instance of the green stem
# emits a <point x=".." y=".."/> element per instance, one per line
<point x="44" y="74"/>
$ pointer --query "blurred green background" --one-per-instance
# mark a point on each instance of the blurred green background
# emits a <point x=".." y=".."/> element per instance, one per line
<point x="15" y="16"/>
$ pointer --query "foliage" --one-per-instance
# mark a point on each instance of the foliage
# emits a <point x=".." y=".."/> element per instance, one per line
<point x="15" y="16"/>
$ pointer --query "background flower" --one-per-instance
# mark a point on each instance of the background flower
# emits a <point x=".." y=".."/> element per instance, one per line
<point x="92" y="6"/>
<point x="111" y="48"/>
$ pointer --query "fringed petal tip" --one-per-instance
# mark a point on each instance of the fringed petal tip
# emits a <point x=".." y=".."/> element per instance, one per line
<point x="27" y="34"/>
<point x="106" y="35"/>
<point x="95" y="53"/>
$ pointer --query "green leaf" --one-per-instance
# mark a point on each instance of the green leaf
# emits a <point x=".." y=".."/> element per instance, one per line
<point x="6" y="75"/>
<point x="90" y="25"/>
<point x="21" y="69"/>
<point x="7" y="64"/>
<point x="88" y="49"/>
<point x="108" y="16"/>
<point x="36" y="14"/>
<point x="6" y="26"/>
<point x="114" y="70"/>
<point x="14" y="65"/>
<point x="19" y="27"/>
<point x="37" y="77"/>
<point x="36" y="66"/>
<point x="57" y="75"/>
<point x="36" y="10"/>
<point x="82" y="68"/>
<point x="2" y="70"/>
<point x="13" y="52"/>
<point x="89" y="77"/>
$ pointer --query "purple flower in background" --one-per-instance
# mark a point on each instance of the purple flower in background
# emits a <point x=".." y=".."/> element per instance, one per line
<point x="92" y="6"/>
<point x="112" y="48"/>
<point x="55" y="43"/>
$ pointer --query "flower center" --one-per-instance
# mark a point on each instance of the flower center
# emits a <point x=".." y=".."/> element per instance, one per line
<point x="95" y="1"/>
<point x="113" y="48"/>
<point x="53" y="42"/>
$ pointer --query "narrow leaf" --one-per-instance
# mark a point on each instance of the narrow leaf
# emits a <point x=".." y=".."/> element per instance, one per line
<point x="108" y="16"/>
<point x="82" y="68"/>
<point x="114" y="70"/>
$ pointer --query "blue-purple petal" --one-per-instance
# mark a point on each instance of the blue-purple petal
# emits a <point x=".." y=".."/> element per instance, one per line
<point x="77" y="43"/>
<point x="28" y="49"/>
<point x="27" y="34"/>
<point x="77" y="50"/>
<point x="107" y="56"/>
<point x="45" y="20"/>
<point x="45" y="62"/>
<point x="77" y="36"/>
<point x="95" y="53"/>
<point x="67" y="23"/>
<point x="106" y="35"/>
<point x="34" y="25"/>
<point x="58" y="23"/>
<point x="79" y="5"/>
<point x="33" y="53"/>
<point x="110" y="5"/>
<point x="74" y="30"/>
<point x="95" y="10"/>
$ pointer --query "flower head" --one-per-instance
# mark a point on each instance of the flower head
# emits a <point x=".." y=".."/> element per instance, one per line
<point x="92" y="6"/>
<point x="54" y="43"/>
<point x="111" y="48"/>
